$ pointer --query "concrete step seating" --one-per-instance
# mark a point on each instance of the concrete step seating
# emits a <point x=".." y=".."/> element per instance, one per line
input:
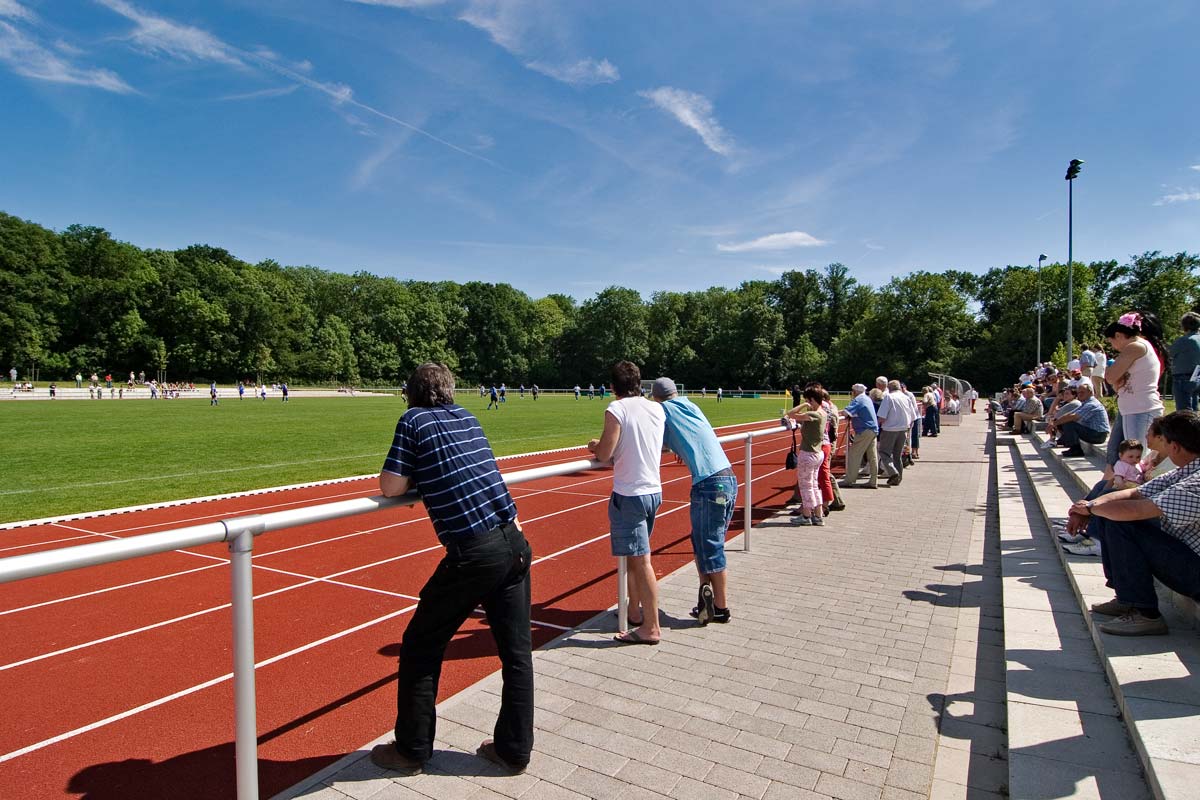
<point x="1061" y="715"/>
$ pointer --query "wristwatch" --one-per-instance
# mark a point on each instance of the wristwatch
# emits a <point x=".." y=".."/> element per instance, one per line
<point x="1088" y="504"/>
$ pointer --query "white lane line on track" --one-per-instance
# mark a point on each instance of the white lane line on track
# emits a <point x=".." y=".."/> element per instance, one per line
<point x="155" y="478"/>
<point x="106" y="589"/>
<point x="304" y="648"/>
<point x="41" y="544"/>
<point x="219" y="561"/>
<point x="723" y="430"/>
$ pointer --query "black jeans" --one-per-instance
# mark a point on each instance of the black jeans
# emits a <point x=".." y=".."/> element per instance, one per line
<point x="491" y="570"/>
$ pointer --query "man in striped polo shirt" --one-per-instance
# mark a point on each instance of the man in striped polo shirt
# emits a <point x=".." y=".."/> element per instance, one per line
<point x="440" y="450"/>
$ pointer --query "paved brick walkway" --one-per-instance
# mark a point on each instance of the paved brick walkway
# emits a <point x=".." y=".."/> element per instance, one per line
<point x="831" y="681"/>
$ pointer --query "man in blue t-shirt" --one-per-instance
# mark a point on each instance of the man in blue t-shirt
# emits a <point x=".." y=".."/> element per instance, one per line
<point x="861" y="413"/>
<point x="440" y="450"/>
<point x="689" y="435"/>
<point x="1088" y="423"/>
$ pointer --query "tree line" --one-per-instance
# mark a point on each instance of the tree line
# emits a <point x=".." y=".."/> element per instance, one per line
<point x="81" y="301"/>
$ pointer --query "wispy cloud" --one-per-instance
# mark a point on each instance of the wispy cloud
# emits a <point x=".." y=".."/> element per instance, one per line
<point x="1181" y="196"/>
<point x="29" y="58"/>
<point x="261" y="94"/>
<point x="867" y="243"/>
<point x="165" y="37"/>
<point x="14" y="10"/>
<point x="586" y="72"/>
<point x="695" y="111"/>
<point x="187" y="43"/>
<point x="400" y="3"/>
<point x="775" y="241"/>
<point x="1196" y="167"/>
<point x="364" y="173"/>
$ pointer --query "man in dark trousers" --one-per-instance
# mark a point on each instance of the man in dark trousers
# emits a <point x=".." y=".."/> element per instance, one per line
<point x="437" y="451"/>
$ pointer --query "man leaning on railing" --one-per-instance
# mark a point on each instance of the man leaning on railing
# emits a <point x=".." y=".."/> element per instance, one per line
<point x="440" y="450"/>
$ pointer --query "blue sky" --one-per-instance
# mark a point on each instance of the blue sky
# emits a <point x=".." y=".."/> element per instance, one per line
<point x="568" y="146"/>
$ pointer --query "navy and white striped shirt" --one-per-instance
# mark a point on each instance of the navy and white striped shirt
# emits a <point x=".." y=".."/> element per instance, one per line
<point x="443" y="450"/>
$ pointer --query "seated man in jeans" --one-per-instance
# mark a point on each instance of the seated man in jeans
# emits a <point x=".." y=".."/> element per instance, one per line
<point x="1088" y="423"/>
<point x="1150" y="531"/>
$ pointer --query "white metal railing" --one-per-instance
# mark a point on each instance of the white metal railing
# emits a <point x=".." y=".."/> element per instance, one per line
<point x="239" y="533"/>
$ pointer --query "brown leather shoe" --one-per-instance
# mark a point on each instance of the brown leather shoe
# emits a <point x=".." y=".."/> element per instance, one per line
<point x="487" y="751"/>
<point x="387" y="756"/>
<point x="1111" y="608"/>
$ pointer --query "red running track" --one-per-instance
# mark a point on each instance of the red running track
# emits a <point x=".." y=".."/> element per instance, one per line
<point x="117" y="678"/>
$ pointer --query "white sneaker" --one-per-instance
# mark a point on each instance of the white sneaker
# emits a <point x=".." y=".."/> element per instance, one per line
<point x="1048" y="444"/>
<point x="1087" y="547"/>
<point x="1071" y="538"/>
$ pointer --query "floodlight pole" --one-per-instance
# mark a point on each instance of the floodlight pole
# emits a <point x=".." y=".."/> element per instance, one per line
<point x="1041" y="258"/>
<point x="1072" y="173"/>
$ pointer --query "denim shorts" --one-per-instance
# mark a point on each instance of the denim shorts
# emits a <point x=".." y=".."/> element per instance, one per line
<point x="631" y="521"/>
<point x="713" y="500"/>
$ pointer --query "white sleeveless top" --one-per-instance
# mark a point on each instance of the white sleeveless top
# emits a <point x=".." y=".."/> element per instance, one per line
<point x="636" y="457"/>
<point x="1140" y="392"/>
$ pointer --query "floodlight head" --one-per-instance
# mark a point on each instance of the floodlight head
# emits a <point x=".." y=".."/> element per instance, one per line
<point x="1042" y="257"/>
<point x="1073" y="169"/>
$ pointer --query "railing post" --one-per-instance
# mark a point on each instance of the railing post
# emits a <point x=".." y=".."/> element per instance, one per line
<point x="241" y="549"/>
<point x="749" y="507"/>
<point x="622" y="593"/>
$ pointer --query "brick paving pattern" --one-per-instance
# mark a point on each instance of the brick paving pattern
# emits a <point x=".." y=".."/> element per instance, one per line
<point x="848" y="644"/>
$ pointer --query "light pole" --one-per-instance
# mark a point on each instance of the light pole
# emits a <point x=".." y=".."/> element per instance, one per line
<point x="1072" y="174"/>
<point x="1041" y="258"/>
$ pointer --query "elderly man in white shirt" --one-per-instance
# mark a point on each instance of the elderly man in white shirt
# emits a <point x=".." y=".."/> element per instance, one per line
<point x="896" y="415"/>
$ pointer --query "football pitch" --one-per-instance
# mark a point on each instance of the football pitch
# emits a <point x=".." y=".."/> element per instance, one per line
<point x="72" y="456"/>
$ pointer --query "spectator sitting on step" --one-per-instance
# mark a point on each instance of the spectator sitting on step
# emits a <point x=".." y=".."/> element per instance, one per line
<point x="1067" y="403"/>
<point x="1029" y="409"/>
<point x="1150" y="531"/>
<point x="1088" y="423"/>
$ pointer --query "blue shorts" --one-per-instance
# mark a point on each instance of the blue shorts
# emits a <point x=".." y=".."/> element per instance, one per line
<point x="713" y="500"/>
<point x="631" y="521"/>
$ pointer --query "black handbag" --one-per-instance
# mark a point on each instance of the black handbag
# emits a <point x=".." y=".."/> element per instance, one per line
<point x="790" y="462"/>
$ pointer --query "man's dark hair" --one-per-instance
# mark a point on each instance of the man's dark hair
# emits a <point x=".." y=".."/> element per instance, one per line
<point x="1182" y="428"/>
<point x="626" y="379"/>
<point x="1190" y="322"/>
<point x="430" y="385"/>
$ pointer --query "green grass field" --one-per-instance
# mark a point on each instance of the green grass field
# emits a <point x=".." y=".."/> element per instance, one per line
<point x="73" y="456"/>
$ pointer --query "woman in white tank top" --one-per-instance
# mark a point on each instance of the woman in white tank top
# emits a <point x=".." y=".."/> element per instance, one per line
<point x="1137" y="338"/>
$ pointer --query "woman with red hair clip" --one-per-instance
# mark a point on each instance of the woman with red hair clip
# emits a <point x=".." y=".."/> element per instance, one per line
<point x="1141" y="360"/>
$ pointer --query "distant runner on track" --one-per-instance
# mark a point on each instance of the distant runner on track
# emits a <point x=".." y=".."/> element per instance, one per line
<point x="437" y="451"/>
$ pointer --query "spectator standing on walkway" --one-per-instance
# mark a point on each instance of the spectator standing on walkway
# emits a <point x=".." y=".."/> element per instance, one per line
<point x="829" y="434"/>
<point x="440" y="450"/>
<point x="78" y="380"/>
<point x="1185" y="359"/>
<point x="632" y="440"/>
<point x="864" y="426"/>
<point x="896" y="414"/>
<point x="812" y="420"/>
<point x="1137" y="338"/>
<point x="1150" y="531"/>
<point x="689" y="435"/>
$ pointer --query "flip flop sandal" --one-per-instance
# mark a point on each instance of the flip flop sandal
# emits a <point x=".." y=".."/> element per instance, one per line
<point x="633" y="637"/>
